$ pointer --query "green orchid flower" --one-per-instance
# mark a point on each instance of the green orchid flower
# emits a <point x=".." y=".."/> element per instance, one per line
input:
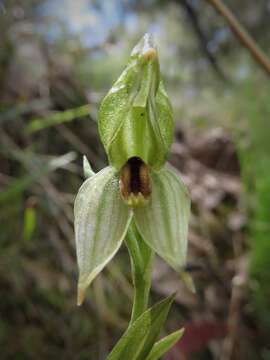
<point x="135" y="118"/>
<point x="136" y="128"/>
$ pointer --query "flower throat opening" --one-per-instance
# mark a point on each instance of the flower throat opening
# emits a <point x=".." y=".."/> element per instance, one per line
<point x="135" y="182"/>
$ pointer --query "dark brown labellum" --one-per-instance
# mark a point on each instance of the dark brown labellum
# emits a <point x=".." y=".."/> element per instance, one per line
<point x="135" y="182"/>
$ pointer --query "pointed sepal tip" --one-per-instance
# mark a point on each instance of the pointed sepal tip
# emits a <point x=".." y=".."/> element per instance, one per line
<point x="81" y="296"/>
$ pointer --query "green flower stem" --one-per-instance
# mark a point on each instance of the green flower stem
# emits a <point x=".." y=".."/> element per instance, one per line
<point x="141" y="257"/>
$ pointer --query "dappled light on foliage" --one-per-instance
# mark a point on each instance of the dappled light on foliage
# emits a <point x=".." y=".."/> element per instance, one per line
<point x="58" y="59"/>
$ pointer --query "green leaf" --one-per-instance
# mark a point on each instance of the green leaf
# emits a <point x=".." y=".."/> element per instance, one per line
<point x="101" y="223"/>
<point x="165" y="344"/>
<point x="188" y="281"/>
<point x="138" y="340"/>
<point x="163" y="222"/>
<point x="135" y="118"/>
<point x="58" y="118"/>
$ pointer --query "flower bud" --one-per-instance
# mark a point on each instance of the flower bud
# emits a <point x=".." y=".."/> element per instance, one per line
<point x="135" y="118"/>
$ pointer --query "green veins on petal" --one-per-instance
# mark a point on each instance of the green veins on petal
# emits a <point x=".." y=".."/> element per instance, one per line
<point x="102" y="217"/>
<point x="135" y="124"/>
<point x="101" y="223"/>
<point x="163" y="222"/>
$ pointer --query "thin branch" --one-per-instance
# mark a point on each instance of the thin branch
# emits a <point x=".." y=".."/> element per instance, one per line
<point x="242" y="34"/>
<point x="193" y="16"/>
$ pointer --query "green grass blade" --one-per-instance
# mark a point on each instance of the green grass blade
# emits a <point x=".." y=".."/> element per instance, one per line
<point x="58" y="118"/>
<point x="165" y="344"/>
<point x="138" y="340"/>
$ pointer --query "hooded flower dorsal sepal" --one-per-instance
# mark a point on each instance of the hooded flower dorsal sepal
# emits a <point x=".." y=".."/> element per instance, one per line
<point x="135" y="117"/>
<point x="136" y="127"/>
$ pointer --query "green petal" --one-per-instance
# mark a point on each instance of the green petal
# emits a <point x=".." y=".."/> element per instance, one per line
<point x="101" y="223"/>
<point x="163" y="222"/>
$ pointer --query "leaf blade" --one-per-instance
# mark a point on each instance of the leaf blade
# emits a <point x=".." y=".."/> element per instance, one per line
<point x="165" y="344"/>
<point x="138" y="340"/>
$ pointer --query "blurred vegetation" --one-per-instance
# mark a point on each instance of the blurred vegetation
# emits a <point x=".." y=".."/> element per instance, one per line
<point x="254" y="151"/>
<point x="57" y="60"/>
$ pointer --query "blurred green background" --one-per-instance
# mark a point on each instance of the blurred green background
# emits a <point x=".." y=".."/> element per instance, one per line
<point x="58" y="58"/>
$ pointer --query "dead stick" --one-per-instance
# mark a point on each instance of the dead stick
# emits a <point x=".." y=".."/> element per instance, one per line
<point x="242" y="34"/>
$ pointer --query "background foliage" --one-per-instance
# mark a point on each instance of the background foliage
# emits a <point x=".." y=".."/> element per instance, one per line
<point x="57" y="61"/>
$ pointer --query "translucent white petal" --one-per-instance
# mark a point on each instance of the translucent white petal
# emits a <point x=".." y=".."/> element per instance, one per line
<point x="163" y="222"/>
<point x="101" y="223"/>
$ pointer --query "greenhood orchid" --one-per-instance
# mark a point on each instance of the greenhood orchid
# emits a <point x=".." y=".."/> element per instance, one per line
<point x="136" y="128"/>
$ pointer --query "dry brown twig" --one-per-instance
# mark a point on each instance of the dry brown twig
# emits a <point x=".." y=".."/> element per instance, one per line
<point x="242" y="34"/>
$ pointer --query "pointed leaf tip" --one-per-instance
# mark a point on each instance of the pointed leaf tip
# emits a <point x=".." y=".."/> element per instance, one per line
<point x="165" y="344"/>
<point x="188" y="281"/>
